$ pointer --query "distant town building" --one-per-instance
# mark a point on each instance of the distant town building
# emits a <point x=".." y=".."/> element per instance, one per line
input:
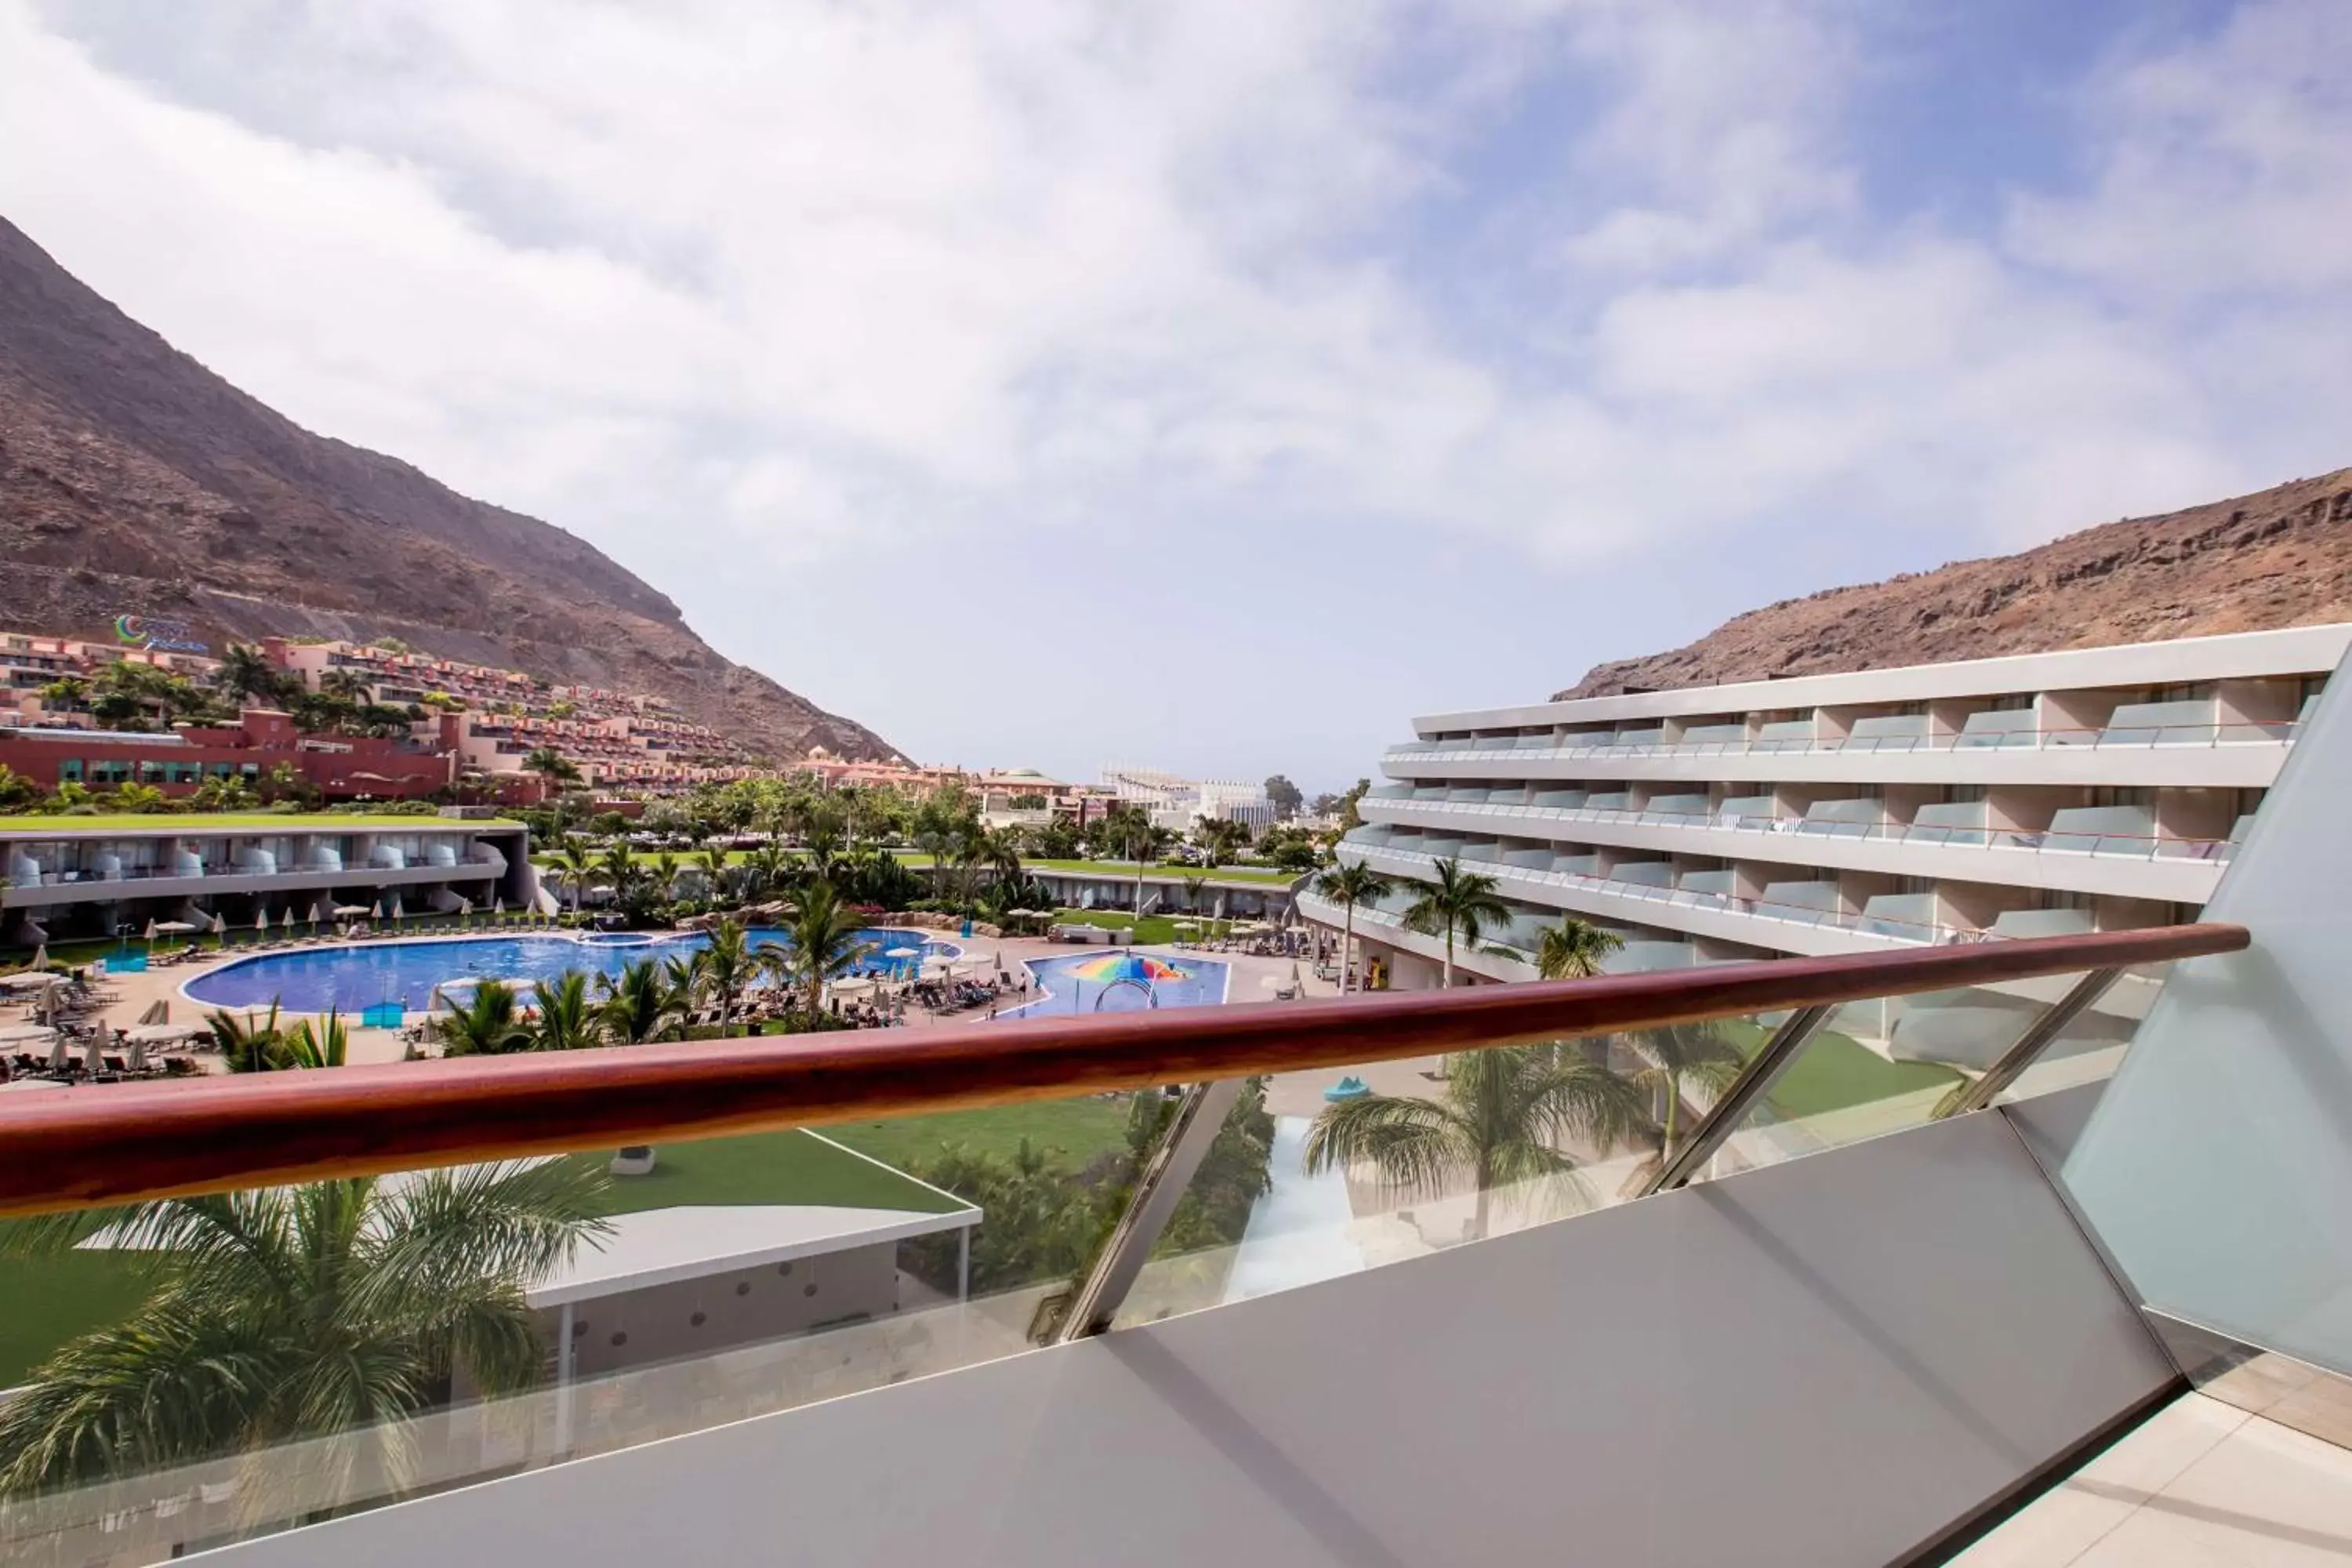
<point x="1178" y="804"/>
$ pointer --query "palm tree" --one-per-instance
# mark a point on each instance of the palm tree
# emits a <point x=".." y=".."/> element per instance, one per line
<point x="714" y="870"/>
<point x="489" y="1025"/>
<point x="1506" y="1112"/>
<point x="766" y="868"/>
<point x="1675" y="1059"/>
<point x="1574" y="950"/>
<point x="1220" y="837"/>
<point x="1127" y="829"/>
<point x="572" y="857"/>
<point x="323" y="1044"/>
<point x="666" y="869"/>
<point x="246" y="671"/>
<point x="247" y="1046"/>
<point x="67" y="693"/>
<point x="824" y="944"/>
<point x="626" y="876"/>
<point x="551" y="765"/>
<point x="567" y="1022"/>
<point x="347" y="684"/>
<point x="1462" y="903"/>
<point x="283" y="1314"/>
<point x="725" y="968"/>
<point x="638" y="1006"/>
<point x="1347" y="886"/>
<point x="987" y="850"/>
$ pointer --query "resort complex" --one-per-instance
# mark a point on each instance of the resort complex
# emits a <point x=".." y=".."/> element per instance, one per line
<point x="488" y="1077"/>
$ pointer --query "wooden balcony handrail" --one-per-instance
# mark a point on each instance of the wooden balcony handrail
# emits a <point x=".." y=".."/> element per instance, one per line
<point x="114" y="1143"/>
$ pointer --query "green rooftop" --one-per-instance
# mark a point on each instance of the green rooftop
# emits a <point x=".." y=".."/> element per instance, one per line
<point x="786" y="1167"/>
<point x="66" y="824"/>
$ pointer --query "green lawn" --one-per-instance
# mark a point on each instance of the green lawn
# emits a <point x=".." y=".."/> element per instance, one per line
<point x="234" y="821"/>
<point x="1153" y="929"/>
<point x="1258" y="876"/>
<point x="1837" y="1071"/>
<point x="66" y="953"/>
<point x="45" y="1301"/>
<point x="788" y="1167"/>
<point x="1079" y="1128"/>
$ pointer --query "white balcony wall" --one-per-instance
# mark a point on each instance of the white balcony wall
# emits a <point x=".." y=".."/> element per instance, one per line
<point x="2246" y="765"/>
<point x="2294" y="651"/>
<point x="2177" y="878"/>
<point x="1812" y="929"/>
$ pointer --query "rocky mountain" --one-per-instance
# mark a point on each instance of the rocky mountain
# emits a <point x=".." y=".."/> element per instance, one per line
<point x="2282" y="557"/>
<point x="133" y="481"/>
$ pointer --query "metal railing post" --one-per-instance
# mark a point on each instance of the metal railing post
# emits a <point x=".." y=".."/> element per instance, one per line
<point x="2036" y="1040"/>
<point x="1199" y="1116"/>
<point x="1754" y="1082"/>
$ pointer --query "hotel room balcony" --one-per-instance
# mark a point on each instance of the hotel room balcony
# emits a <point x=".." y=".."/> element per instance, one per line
<point x="2083" y="850"/>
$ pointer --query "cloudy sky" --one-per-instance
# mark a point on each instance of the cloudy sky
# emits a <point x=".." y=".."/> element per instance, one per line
<point x="1216" y="383"/>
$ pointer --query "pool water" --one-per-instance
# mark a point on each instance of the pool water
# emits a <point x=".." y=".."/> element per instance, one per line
<point x="1065" y="991"/>
<point x="351" y="978"/>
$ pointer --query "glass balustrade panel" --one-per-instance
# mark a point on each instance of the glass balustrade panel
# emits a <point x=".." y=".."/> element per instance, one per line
<point x="188" y="1372"/>
<point x="1321" y="1174"/>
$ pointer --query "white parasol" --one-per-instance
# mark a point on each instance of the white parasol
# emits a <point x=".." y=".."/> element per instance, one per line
<point x="25" y="1035"/>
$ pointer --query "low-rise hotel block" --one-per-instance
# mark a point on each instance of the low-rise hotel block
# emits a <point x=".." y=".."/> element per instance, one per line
<point x="63" y="877"/>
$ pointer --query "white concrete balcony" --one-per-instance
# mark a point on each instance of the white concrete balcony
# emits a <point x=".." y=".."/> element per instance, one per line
<point x="2238" y="756"/>
<point x="1801" y="923"/>
<point x="2134" y="865"/>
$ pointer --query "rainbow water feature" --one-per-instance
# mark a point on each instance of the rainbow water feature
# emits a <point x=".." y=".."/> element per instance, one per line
<point x="368" y="974"/>
<point x="1121" y="982"/>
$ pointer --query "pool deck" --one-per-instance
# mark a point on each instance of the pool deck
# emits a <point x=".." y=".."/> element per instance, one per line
<point x="1252" y="979"/>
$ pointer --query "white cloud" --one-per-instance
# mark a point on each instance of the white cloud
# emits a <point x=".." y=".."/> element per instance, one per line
<point x="2220" y="169"/>
<point x="759" y="297"/>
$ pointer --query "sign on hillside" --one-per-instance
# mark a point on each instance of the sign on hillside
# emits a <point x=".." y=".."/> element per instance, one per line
<point x="159" y="635"/>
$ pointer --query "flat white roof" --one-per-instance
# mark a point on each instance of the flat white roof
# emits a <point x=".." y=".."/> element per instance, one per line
<point x="2293" y="651"/>
<point x="661" y="1246"/>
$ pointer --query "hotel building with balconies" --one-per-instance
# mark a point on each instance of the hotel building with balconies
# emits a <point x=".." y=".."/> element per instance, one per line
<point x="70" y="876"/>
<point x="2094" y="789"/>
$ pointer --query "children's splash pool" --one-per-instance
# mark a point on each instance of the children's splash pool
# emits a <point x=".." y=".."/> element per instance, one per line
<point x="1121" y="982"/>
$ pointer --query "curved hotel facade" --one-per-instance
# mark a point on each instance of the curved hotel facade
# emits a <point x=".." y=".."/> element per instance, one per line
<point x="2090" y="790"/>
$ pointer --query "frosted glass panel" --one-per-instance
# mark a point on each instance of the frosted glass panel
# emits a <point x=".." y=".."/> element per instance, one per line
<point x="2217" y="1167"/>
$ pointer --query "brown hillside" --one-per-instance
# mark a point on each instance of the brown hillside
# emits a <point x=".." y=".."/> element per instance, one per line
<point x="134" y="480"/>
<point x="2282" y="557"/>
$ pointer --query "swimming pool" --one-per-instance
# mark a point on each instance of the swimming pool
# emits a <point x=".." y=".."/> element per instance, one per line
<point x="1068" y="991"/>
<point x="351" y="978"/>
